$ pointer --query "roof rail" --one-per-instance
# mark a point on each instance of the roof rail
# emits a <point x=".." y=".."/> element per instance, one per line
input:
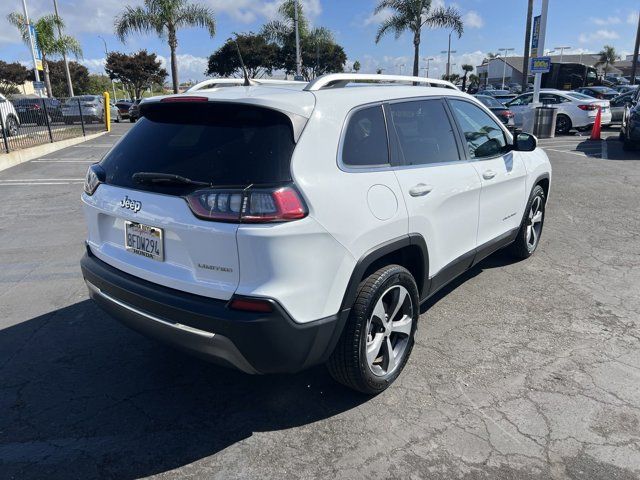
<point x="228" y="82"/>
<point x="340" y="80"/>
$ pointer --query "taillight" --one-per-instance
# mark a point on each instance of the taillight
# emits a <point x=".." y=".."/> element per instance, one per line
<point x="95" y="176"/>
<point x="260" y="205"/>
<point x="506" y="113"/>
<point x="588" y="107"/>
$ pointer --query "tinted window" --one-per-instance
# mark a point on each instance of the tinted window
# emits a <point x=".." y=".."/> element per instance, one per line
<point x="490" y="101"/>
<point x="522" y="100"/>
<point x="220" y="144"/>
<point x="365" y="141"/>
<point x="424" y="132"/>
<point x="484" y="136"/>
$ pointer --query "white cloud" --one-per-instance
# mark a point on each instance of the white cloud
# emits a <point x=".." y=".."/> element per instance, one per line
<point x="598" y="36"/>
<point x="632" y="18"/>
<point x="249" y="11"/>
<point x="377" y="18"/>
<point x="606" y="21"/>
<point x="472" y="19"/>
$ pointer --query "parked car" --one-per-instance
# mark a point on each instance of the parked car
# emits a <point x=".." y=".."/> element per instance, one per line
<point x="630" y="128"/>
<point x="219" y="227"/>
<point x="503" y="96"/>
<point x="515" y="88"/>
<point x="626" y="88"/>
<point x="601" y="93"/>
<point x="498" y="109"/>
<point x="114" y="113"/>
<point x="123" y="108"/>
<point x="89" y="107"/>
<point x="134" y="111"/>
<point x="32" y="110"/>
<point x="10" y="118"/>
<point x="575" y="110"/>
<point x="618" y="104"/>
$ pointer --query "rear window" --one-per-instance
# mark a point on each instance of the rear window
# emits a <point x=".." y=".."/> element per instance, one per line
<point x="490" y="102"/>
<point x="220" y="144"/>
<point x="579" y="96"/>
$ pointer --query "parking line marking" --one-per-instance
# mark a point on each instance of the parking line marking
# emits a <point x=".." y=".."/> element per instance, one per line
<point x="577" y="153"/>
<point x="27" y="184"/>
<point x="43" y="180"/>
<point x="64" y="161"/>
<point x="94" y="145"/>
<point x="605" y="150"/>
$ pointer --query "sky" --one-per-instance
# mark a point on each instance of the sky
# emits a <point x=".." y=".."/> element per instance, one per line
<point x="584" y="25"/>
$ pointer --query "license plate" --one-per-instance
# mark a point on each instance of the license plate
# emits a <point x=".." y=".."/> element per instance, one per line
<point x="144" y="240"/>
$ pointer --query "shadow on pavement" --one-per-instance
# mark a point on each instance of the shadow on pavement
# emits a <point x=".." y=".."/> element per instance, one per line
<point x="83" y="397"/>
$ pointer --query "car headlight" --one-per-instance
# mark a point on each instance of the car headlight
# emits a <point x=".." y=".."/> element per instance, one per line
<point x="95" y="176"/>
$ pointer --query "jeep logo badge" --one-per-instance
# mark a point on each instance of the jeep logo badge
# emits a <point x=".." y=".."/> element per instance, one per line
<point x="134" y="205"/>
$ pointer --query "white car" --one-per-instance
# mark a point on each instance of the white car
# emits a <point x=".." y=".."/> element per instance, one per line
<point x="10" y="118"/>
<point x="575" y="110"/>
<point x="272" y="228"/>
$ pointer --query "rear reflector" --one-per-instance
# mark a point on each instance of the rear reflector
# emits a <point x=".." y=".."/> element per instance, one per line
<point x="251" y="305"/>
<point x="179" y="99"/>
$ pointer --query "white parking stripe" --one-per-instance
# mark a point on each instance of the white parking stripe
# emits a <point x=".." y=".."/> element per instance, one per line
<point x="43" y="180"/>
<point x="27" y="184"/>
<point x="577" y="153"/>
<point x="94" y="145"/>
<point x="64" y="161"/>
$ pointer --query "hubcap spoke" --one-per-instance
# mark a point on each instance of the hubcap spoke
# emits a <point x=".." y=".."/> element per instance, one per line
<point x="402" y="326"/>
<point x="534" y="236"/>
<point x="529" y="230"/>
<point x="537" y="218"/>
<point x="379" y="311"/>
<point x="400" y="298"/>
<point x="390" y="355"/>
<point x="373" y="348"/>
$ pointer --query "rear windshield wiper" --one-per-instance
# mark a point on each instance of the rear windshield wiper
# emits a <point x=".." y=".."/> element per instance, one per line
<point x="166" y="178"/>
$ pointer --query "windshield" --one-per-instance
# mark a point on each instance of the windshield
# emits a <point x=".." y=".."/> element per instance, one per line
<point x="219" y="144"/>
<point x="490" y="102"/>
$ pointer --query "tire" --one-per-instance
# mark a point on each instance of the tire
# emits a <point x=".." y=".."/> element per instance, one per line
<point x="563" y="124"/>
<point x="365" y="329"/>
<point x="528" y="240"/>
<point x="12" y="126"/>
<point x="131" y="119"/>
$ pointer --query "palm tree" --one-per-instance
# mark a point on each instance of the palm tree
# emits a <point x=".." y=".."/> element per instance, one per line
<point x="467" y="69"/>
<point x="608" y="56"/>
<point x="356" y="66"/>
<point x="48" y="43"/>
<point x="490" y="56"/>
<point x="412" y="15"/>
<point x="165" y="17"/>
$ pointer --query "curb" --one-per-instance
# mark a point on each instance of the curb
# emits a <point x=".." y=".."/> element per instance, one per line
<point x="8" y="160"/>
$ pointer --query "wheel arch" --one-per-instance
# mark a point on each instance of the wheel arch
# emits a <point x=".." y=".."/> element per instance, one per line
<point x="409" y="251"/>
<point x="544" y="181"/>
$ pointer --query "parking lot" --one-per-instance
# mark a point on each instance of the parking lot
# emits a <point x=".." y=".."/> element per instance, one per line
<point x="527" y="370"/>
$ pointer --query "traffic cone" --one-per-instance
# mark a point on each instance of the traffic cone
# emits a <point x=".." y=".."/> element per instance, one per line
<point x="595" y="131"/>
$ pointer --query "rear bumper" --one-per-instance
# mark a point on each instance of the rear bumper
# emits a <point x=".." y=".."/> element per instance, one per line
<point x="252" y="342"/>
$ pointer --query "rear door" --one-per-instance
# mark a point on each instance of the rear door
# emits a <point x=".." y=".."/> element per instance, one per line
<point x="441" y="190"/>
<point x="148" y="229"/>
<point x="501" y="170"/>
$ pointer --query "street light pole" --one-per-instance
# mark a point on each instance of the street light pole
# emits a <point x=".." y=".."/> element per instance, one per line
<point x="504" y="62"/>
<point x="543" y="31"/>
<point x="64" y="54"/>
<point x="448" y="51"/>
<point x="428" y="60"/>
<point x="106" y="54"/>
<point x="31" y="43"/>
<point x="562" y="49"/>
<point x="295" y="24"/>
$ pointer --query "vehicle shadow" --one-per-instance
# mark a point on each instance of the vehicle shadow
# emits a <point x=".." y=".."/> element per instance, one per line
<point x="84" y="397"/>
<point x="499" y="259"/>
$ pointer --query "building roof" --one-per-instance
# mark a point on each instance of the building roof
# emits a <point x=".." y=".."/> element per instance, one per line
<point x="586" y="58"/>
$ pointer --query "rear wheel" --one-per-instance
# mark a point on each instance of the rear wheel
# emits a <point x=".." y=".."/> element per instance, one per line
<point x="563" y="124"/>
<point x="530" y="231"/>
<point x="378" y="337"/>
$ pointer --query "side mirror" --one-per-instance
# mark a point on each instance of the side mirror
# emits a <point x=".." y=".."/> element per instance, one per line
<point x="525" y="142"/>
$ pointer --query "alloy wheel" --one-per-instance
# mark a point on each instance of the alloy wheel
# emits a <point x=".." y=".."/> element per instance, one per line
<point x="388" y="330"/>
<point x="534" y="223"/>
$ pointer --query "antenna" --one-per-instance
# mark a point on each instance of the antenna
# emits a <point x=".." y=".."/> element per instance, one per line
<point x="247" y="81"/>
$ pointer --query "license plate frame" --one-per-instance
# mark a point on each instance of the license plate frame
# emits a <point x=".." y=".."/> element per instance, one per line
<point x="154" y="236"/>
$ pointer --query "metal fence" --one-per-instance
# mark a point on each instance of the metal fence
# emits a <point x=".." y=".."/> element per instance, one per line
<point x="30" y="121"/>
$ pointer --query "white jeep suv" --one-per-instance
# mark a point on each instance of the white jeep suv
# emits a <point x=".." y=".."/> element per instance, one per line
<point x="275" y="227"/>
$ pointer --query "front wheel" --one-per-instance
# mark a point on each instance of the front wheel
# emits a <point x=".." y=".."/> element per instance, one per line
<point x="379" y="334"/>
<point x="530" y="231"/>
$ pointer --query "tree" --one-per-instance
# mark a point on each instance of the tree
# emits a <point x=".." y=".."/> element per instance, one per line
<point x="98" y="84"/>
<point x="356" y="66"/>
<point x="12" y="75"/>
<point x="50" y="44"/>
<point x="316" y="44"/>
<point x="607" y="56"/>
<point x="489" y="56"/>
<point x="79" y="77"/>
<point x="467" y="69"/>
<point x="412" y="15"/>
<point x="136" y="72"/>
<point x="165" y="18"/>
<point x="452" y="77"/>
<point x="259" y="57"/>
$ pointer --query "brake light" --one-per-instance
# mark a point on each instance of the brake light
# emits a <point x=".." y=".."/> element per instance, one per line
<point x="589" y="107"/>
<point x="260" y="205"/>
<point x="251" y="305"/>
<point x="179" y="98"/>
<point x="507" y="113"/>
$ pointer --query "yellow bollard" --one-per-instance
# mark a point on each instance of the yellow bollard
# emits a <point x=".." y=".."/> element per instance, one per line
<point x="107" y="111"/>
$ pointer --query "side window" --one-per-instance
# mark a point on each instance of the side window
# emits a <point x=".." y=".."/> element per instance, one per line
<point x="424" y="132"/>
<point x="522" y="100"/>
<point x="365" y="141"/>
<point x="484" y="136"/>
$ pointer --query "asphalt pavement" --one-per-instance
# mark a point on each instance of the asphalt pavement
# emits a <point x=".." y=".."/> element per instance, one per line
<point x="522" y="370"/>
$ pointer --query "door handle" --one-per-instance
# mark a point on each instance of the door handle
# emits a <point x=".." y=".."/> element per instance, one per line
<point x="488" y="174"/>
<point x="420" y="190"/>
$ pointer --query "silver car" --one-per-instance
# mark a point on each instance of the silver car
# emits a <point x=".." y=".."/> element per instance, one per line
<point x="619" y="103"/>
<point x="89" y="107"/>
